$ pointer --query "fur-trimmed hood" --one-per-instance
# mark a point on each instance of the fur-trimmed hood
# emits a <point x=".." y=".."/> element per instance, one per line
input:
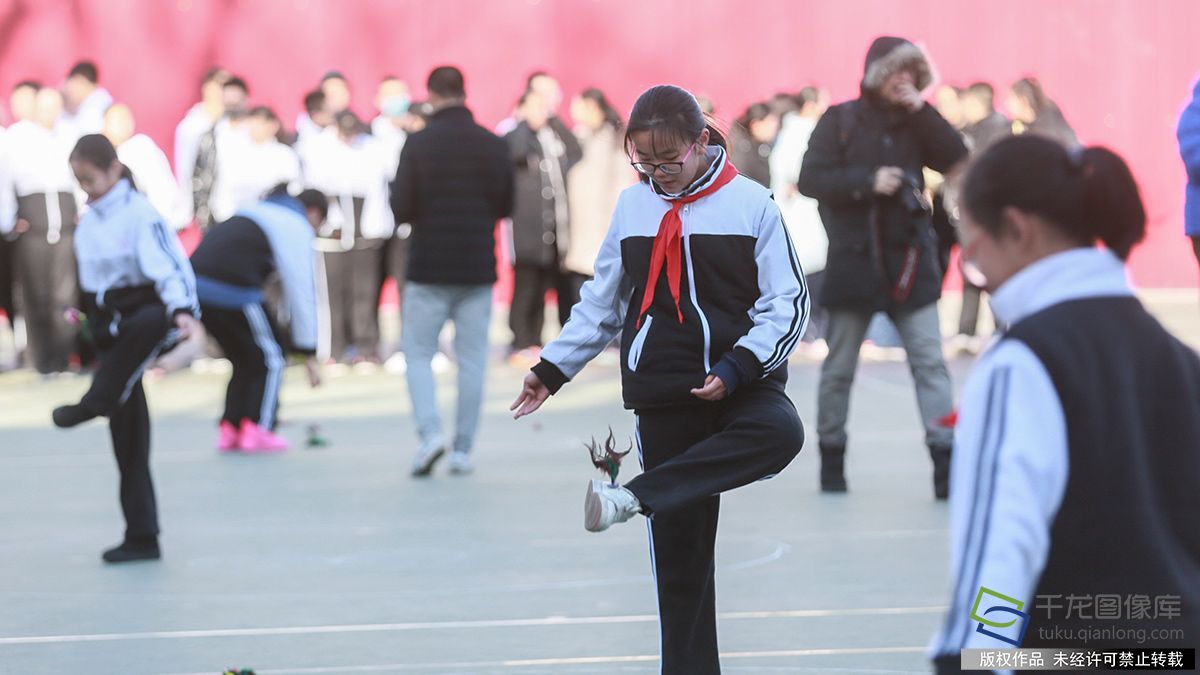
<point x="889" y="54"/>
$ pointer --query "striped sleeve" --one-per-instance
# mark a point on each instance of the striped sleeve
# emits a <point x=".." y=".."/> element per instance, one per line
<point x="1009" y="477"/>
<point x="161" y="259"/>
<point x="596" y="319"/>
<point x="781" y="312"/>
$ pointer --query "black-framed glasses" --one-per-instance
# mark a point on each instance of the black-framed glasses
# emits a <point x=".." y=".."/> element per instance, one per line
<point x="668" y="168"/>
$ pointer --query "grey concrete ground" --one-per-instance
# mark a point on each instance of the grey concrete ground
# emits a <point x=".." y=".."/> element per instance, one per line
<point x="333" y="560"/>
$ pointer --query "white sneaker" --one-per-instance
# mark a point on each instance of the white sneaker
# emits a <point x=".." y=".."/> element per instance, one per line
<point x="606" y="504"/>
<point x="440" y="363"/>
<point x="422" y="464"/>
<point x="461" y="464"/>
<point x="396" y="365"/>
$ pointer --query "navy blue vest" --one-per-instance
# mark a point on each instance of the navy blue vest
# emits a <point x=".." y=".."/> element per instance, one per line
<point x="1126" y="540"/>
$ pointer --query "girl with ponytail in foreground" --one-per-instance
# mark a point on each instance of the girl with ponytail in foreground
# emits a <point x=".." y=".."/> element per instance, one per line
<point x="1078" y="441"/>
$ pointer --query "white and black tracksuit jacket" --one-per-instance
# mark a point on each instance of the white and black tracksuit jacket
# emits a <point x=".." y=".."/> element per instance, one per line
<point x="742" y="294"/>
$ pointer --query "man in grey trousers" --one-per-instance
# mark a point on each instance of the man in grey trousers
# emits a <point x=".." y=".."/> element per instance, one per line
<point x="864" y="167"/>
<point x="453" y="183"/>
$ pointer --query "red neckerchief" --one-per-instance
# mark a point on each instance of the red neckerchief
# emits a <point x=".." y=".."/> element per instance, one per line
<point x="666" y="242"/>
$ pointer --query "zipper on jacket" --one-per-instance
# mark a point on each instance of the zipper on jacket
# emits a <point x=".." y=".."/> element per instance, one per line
<point x="687" y="254"/>
<point x="639" y="341"/>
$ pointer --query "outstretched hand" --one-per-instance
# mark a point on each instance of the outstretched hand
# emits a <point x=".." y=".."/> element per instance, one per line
<point x="533" y="395"/>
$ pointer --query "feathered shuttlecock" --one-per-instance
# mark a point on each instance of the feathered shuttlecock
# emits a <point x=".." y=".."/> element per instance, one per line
<point x="606" y="458"/>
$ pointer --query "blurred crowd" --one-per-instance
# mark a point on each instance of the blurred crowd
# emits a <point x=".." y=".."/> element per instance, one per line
<point x="229" y="151"/>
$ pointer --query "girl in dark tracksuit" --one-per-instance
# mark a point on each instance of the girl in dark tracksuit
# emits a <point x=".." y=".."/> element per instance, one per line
<point x="698" y="274"/>
<point x="140" y="298"/>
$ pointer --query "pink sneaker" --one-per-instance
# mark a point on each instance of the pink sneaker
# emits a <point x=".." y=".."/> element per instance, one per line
<point x="257" y="439"/>
<point x="227" y="437"/>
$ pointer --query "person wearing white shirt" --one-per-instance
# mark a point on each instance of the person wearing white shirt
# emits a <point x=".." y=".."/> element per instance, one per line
<point x="148" y="163"/>
<point x="351" y="169"/>
<point x="391" y="128"/>
<point x="22" y="102"/>
<point x="85" y="99"/>
<point x="250" y="162"/>
<point x="800" y="212"/>
<point x="8" y="214"/>
<point x="1077" y="447"/>
<point x="205" y="169"/>
<point x="44" y="227"/>
<point x="315" y="118"/>
<point x="198" y="121"/>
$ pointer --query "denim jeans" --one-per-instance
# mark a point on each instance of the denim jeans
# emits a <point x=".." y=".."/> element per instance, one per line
<point x="426" y="308"/>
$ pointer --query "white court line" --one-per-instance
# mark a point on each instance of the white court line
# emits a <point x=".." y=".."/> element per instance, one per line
<point x="581" y="661"/>
<point x="446" y="625"/>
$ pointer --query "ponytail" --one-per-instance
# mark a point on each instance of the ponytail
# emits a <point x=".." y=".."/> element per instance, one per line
<point x="1112" y="203"/>
<point x="1088" y="194"/>
<point x="715" y="135"/>
<point x="97" y="150"/>
<point x="127" y="174"/>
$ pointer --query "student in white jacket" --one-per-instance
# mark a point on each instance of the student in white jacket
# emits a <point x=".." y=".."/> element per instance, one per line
<point x="140" y="297"/>
<point x="351" y="168"/>
<point x="699" y="274"/>
<point x="1077" y="449"/>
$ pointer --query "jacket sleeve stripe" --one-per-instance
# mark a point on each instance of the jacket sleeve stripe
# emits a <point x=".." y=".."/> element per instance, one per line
<point x="981" y="508"/>
<point x="785" y="344"/>
<point x="185" y="278"/>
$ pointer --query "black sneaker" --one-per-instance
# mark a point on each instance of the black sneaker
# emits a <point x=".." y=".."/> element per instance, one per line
<point x="130" y="551"/>
<point x="67" y="416"/>
<point x="941" y="456"/>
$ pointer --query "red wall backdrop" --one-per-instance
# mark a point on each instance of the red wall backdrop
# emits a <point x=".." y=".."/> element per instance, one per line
<point x="1121" y="69"/>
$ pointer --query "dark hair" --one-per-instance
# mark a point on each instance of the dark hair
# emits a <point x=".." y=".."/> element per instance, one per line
<point x="213" y="74"/>
<point x="263" y="111"/>
<point x="333" y="75"/>
<point x="309" y="198"/>
<point x="1030" y="89"/>
<point x="314" y="101"/>
<point x="32" y="84"/>
<point x="420" y="109"/>
<point x="238" y="83"/>
<point x="446" y="82"/>
<point x="314" y="199"/>
<point x="982" y="92"/>
<point x="755" y="112"/>
<point x="97" y="150"/>
<point x="808" y="95"/>
<point x="535" y="75"/>
<point x="1087" y="194"/>
<point x="783" y="103"/>
<point x="672" y="114"/>
<point x="611" y="116"/>
<point x="87" y="70"/>
<point x="348" y="123"/>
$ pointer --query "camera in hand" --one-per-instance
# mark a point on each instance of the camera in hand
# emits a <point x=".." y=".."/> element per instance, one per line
<point x="912" y="197"/>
